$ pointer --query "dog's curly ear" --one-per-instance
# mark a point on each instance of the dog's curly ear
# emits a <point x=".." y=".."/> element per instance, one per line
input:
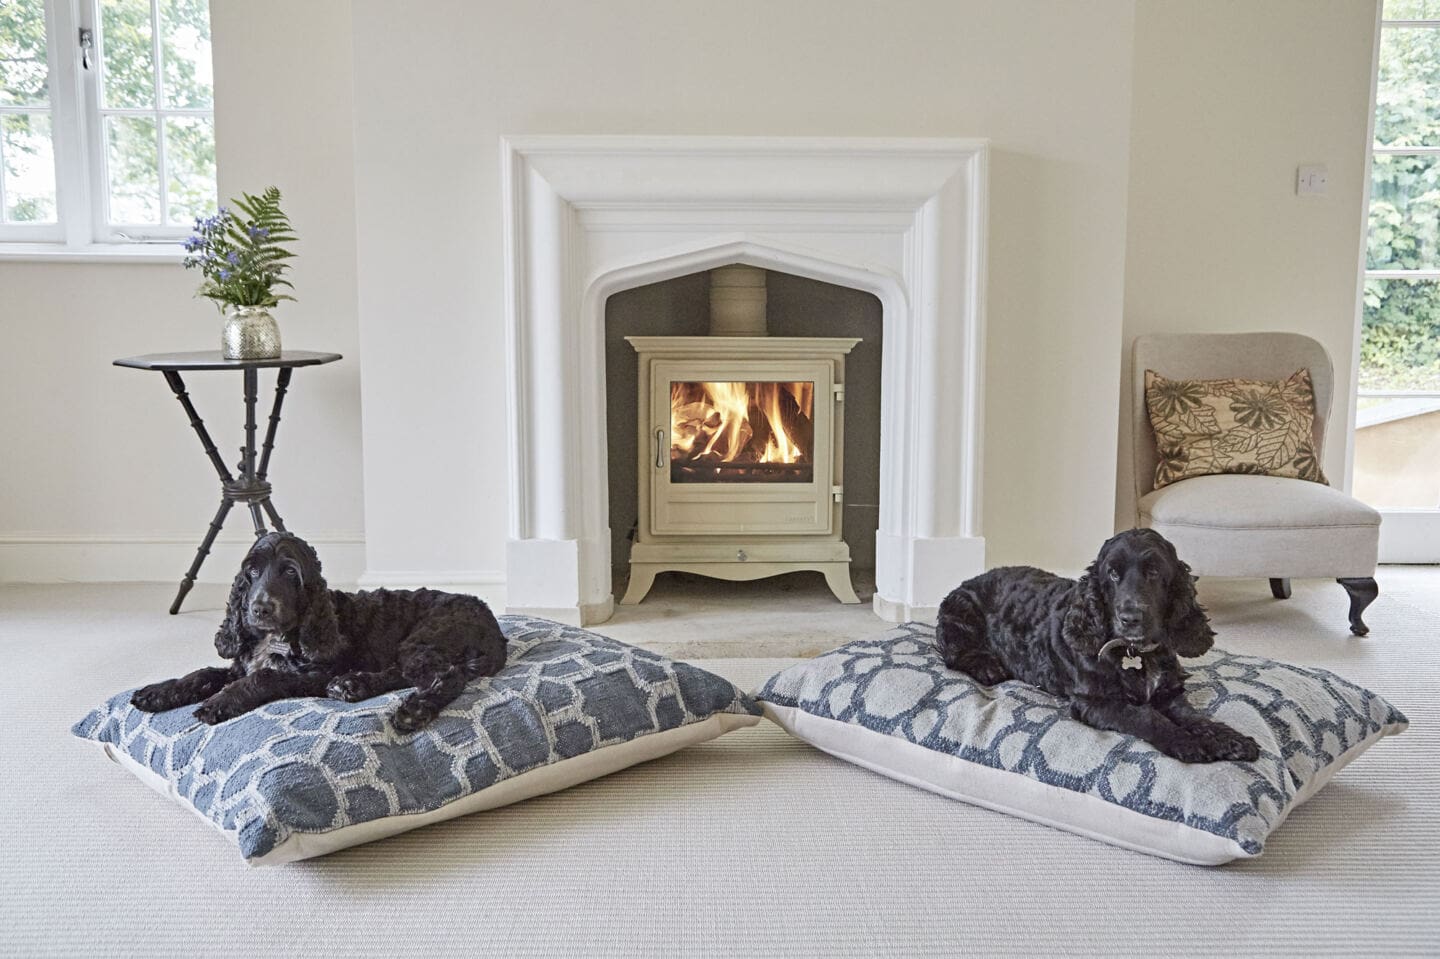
<point x="1084" y="626"/>
<point x="1186" y="624"/>
<point x="231" y="637"/>
<point x="319" y="629"/>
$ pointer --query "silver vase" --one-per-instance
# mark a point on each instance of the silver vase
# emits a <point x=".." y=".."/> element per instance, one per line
<point x="250" y="333"/>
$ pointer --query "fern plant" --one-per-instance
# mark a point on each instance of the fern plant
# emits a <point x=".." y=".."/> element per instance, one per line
<point x="244" y="260"/>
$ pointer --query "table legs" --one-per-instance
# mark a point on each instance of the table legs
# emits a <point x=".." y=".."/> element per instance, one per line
<point x="251" y="487"/>
<point x="177" y="385"/>
<point x="201" y="553"/>
<point x="282" y="382"/>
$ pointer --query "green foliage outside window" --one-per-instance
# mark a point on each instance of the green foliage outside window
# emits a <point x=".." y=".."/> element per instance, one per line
<point x="24" y="81"/>
<point x="1400" y="339"/>
<point x="131" y="148"/>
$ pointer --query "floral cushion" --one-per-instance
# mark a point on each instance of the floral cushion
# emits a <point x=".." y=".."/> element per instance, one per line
<point x="1233" y="426"/>
<point x="891" y="705"/>
<point x="304" y="777"/>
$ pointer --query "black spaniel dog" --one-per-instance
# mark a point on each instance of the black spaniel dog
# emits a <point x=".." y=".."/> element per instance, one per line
<point x="287" y="634"/>
<point x="1109" y="643"/>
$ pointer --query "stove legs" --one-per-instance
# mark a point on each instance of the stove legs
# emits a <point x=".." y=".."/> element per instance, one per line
<point x="641" y="579"/>
<point x="837" y="577"/>
<point x="642" y="575"/>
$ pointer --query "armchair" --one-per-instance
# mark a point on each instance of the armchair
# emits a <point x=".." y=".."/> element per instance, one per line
<point x="1235" y="525"/>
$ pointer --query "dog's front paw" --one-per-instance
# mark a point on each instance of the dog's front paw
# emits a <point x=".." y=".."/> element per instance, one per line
<point x="156" y="698"/>
<point x="1231" y="744"/>
<point x="219" y="708"/>
<point x="1213" y="742"/>
<point x="1189" y="749"/>
<point x="412" y="715"/>
<point x="989" y="674"/>
<point x="351" y="688"/>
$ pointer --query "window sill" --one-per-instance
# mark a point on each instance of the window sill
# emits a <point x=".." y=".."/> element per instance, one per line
<point x="94" y="253"/>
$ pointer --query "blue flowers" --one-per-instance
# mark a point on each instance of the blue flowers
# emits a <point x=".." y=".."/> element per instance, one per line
<point x="206" y="226"/>
<point x="243" y="254"/>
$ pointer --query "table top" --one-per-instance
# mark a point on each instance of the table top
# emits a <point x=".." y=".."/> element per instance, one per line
<point x="212" y="360"/>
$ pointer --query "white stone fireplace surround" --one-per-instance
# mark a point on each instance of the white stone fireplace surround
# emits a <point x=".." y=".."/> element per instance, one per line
<point x="590" y="216"/>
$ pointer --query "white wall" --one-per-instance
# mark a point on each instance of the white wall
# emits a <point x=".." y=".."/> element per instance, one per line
<point x="1230" y="96"/>
<point x="100" y="474"/>
<point x="1048" y="83"/>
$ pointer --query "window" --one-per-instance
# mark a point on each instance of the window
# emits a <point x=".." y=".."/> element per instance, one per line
<point x="1397" y="438"/>
<point x="107" y="130"/>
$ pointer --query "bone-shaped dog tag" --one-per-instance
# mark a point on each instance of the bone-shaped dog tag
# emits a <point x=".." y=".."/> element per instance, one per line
<point x="1132" y="662"/>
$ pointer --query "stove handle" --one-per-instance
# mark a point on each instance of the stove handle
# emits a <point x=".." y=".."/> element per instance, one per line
<point x="659" y="449"/>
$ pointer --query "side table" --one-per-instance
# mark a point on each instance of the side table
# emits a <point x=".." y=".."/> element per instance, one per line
<point x="251" y="486"/>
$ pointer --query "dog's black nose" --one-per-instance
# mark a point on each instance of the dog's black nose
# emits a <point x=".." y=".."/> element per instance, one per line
<point x="263" y="606"/>
<point x="1131" y="617"/>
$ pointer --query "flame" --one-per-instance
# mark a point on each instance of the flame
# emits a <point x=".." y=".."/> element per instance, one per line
<point x="719" y="422"/>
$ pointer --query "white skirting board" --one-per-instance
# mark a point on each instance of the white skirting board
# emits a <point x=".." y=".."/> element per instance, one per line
<point x="51" y="558"/>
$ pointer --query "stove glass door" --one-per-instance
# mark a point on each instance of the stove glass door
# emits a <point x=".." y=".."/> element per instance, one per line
<point x="742" y="432"/>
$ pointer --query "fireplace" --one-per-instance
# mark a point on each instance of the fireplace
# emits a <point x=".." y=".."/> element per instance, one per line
<point x="741" y="448"/>
<point x="587" y="217"/>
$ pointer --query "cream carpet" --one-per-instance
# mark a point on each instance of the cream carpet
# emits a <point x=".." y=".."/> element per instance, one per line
<point x="753" y="844"/>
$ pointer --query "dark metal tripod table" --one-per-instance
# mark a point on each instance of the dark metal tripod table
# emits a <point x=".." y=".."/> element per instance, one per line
<point x="250" y="487"/>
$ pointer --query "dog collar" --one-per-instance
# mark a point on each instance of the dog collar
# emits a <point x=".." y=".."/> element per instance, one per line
<point x="1130" y="648"/>
<point x="1134" y="657"/>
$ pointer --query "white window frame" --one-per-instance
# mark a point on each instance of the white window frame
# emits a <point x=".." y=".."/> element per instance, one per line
<point x="1406" y="535"/>
<point x="77" y="127"/>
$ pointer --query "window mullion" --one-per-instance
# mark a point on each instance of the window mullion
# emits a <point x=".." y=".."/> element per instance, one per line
<point x="1422" y="274"/>
<point x="157" y="51"/>
<point x="93" y="126"/>
<point x="2" y="170"/>
<point x="67" y="122"/>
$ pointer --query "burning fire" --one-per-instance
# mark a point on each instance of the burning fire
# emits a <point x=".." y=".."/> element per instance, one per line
<point x="741" y="422"/>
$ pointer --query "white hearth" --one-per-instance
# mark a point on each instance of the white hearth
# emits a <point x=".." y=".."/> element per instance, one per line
<point x="587" y="217"/>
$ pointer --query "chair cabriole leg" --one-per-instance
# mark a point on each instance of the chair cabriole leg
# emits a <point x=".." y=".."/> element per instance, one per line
<point x="1362" y="591"/>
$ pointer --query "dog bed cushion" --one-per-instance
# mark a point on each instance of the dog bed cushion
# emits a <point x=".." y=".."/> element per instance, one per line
<point x="305" y="777"/>
<point x="890" y="704"/>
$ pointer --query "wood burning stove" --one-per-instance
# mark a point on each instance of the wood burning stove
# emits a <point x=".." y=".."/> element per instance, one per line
<point x="741" y="442"/>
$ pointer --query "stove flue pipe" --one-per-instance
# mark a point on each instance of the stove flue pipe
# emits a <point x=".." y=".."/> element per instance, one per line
<point x="737" y="301"/>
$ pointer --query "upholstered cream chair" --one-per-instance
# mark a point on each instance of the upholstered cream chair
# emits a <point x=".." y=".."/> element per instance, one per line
<point x="1261" y="526"/>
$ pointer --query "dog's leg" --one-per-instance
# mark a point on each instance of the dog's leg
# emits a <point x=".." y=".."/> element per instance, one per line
<point x="173" y="693"/>
<point x="961" y="635"/>
<point x="434" y="692"/>
<point x="1159" y="730"/>
<point x="1215" y="739"/>
<point x="440" y="657"/>
<point x="255" y="690"/>
<point x="436" y="676"/>
<point x="353" y="687"/>
<point x="490" y="660"/>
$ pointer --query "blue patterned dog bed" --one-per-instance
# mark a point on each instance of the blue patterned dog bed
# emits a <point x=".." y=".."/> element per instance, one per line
<point x="891" y="705"/>
<point x="305" y="777"/>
